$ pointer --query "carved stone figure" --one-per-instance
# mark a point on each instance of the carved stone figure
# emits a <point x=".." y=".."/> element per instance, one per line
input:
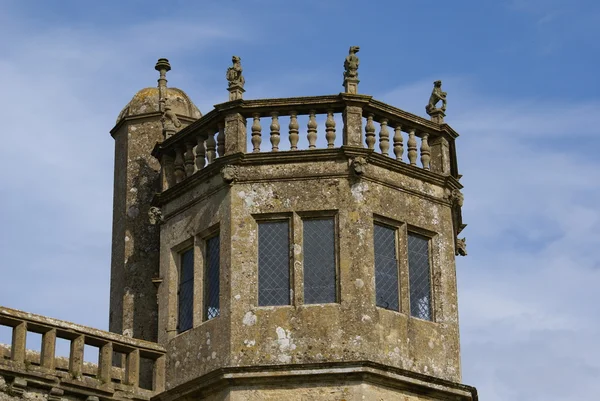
<point x="169" y="118"/>
<point x="359" y="165"/>
<point x="436" y="95"/>
<point x="351" y="63"/>
<point x="461" y="246"/>
<point x="234" y="73"/>
<point x="457" y="197"/>
<point x="155" y="215"/>
<point x="229" y="173"/>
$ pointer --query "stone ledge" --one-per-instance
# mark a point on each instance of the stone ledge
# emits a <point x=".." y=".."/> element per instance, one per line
<point x="288" y="375"/>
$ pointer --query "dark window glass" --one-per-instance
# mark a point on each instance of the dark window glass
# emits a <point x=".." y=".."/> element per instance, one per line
<point x="419" y="276"/>
<point x="273" y="263"/>
<point x="211" y="282"/>
<point x="319" y="261"/>
<point x="186" y="291"/>
<point x="386" y="268"/>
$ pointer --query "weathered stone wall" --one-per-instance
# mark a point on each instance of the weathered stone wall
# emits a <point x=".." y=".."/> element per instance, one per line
<point x="353" y="329"/>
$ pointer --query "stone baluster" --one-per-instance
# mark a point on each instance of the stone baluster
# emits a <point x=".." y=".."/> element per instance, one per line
<point x="275" y="134"/>
<point x="330" y="130"/>
<point x="132" y="368"/>
<point x="221" y="139"/>
<point x="105" y="362"/>
<point x="294" y="129"/>
<point x="48" y="349"/>
<point x="384" y="138"/>
<point x="18" y="344"/>
<point x="312" y="130"/>
<point x="370" y="132"/>
<point x="76" y="356"/>
<point x="189" y="158"/>
<point x="398" y="145"/>
<point x="200" y="153"/>
<point x="412" y="147"/>
<point x="256" y="128"/>
<point x="211" y="147"/>
<point x="425" y="152"/>
<point x="179" y="165"/>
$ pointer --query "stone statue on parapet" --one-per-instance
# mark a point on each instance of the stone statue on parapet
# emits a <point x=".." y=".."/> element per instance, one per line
<point x="436" y="95"/>
<point x="234" y="73"/>
<point x="351" y="63"/>
<point x="169" y="118"/>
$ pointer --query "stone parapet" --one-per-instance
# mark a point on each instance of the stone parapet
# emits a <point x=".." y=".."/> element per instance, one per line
<point x="116" y="376"/>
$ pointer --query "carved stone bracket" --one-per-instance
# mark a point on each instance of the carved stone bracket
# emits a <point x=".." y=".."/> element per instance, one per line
<point x="359" y="165"/>
<point x="155" y="215"/>
<point x="457" y="198"/>
<point x="229" y="174"/>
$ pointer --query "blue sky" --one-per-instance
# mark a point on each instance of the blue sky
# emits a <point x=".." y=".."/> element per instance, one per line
<point x="522" y="91"/>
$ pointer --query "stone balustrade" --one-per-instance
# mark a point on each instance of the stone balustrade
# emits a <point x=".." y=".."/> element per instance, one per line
<point x="117" y="370"/>
<point x="273" y="125"/>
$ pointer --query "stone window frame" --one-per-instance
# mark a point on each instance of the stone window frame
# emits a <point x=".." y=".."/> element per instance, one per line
<point x="298" y="241"/>
<point x="402" y="230"/>
<point x="272" y="218"/>
<point x="295" y="222"/>
<point x="176" y="253"/>
<point x="433" y="267"/>
<point x="200" y="265"/>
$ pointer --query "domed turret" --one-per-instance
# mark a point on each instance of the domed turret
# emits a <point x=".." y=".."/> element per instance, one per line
<point x="147" y="100"/>
<point x="152" y="115"/>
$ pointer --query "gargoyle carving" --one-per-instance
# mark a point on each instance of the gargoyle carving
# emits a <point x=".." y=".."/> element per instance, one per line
<point x="436" y="95"/>
<point x="229" y="173"/>
<point x="461" y="246"/>
<point x="155" y="215"/>
<point x="359" y="165"/>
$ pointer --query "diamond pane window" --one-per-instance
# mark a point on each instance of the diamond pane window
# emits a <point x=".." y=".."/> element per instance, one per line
<point x="419" y="276"/>
<point x="273" y="263"/>
<point x="211" y="279"/>
<point x="186" y="291"/>
<point x="319" y="261"/>
<point x="386" y="268"/>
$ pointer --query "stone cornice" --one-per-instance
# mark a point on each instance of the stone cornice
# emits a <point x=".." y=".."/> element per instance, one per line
<point x="309" y="156"/>
<point x="139" y="118"/>
<point x="364" y="371"/>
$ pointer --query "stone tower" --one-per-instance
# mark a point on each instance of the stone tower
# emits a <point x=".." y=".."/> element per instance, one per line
<point x="320" y="264"/>
<point x="135" y="242"/>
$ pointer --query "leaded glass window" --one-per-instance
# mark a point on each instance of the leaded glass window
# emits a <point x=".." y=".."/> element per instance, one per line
<point x="319" y="261"/>
<point x="419" y="276"/>
<point x="386" y="268"/>
<point x="211" y="278"/>
<point x="186" y="291"/>
<point x="273" y="263"/>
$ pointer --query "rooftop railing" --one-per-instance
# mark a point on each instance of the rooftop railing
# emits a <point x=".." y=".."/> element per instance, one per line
<point x="307" y="123"/>
<point x="118" y="367"/>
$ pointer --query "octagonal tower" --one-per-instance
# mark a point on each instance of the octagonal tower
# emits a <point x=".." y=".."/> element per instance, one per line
<point x="320" y="264"/>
